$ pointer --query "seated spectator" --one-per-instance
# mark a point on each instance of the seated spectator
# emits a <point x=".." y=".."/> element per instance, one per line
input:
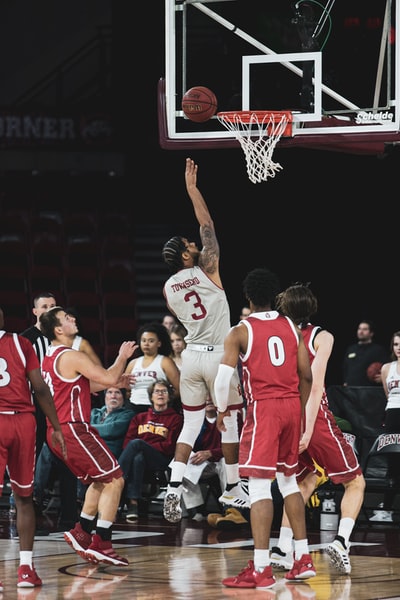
<point x="359" y="356"/>
<point x="177" y="335"/>
<point x="391" y="386"/>
<point x="153" y="363"/>
<point x="112" y="422"/>
<point x="206" y="460"/>
<point x="246" y="311"/>
<point x="169" y="321"/>
<point x="237" y="518"/>
<point x="149" y="443"/>
<point x="49" y="469"/>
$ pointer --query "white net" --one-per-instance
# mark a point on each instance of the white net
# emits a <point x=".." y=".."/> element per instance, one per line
<point x="258" y="134"/>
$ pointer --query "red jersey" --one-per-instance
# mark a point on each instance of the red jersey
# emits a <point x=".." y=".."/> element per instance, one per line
<point x="17" y="359"/>
<point x="89" y="457"/>
<point x="270" y="436"/>
<point x="71" y="396"/>
<point x="328" y="446"/>
<point x="269" y="366"/>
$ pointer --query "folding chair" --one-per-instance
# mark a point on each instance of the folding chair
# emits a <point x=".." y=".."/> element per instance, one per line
<point x="378" y="478"/>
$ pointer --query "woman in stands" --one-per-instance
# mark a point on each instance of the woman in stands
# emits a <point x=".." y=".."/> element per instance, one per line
<point x="149" y="443"/>
<point x="390" y="374"/>
<point x="154" y="363"/>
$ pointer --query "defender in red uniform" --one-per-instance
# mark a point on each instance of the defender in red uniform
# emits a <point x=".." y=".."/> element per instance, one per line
<point x="277" y="384"/>
<point x="19" y="368"/>
<point x="321" y="440"/>
<point x="72" y="376"/>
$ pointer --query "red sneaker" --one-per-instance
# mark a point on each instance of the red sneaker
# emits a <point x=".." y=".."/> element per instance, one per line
<point x="78" y="539"/>
<point x="1" y="587"/>
<point x="250" y="578"/>
<point x="102" y="551"/>
<point x="302" y="569"/>
<point x="27" y="577"/>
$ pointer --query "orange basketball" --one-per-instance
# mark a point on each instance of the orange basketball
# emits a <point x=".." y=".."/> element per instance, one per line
<point x="373" y="370"/>
<point x="199" y="104"/>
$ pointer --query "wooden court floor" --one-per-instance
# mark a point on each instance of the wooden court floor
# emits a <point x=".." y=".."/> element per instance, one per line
<point x="188" y="560"/>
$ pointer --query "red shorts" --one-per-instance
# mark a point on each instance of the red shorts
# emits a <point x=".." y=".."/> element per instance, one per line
<point x="270" y="438"/>
<point x="88" y="456"/>
<point x="330" y="449"/>
<point x="18" y="451"/>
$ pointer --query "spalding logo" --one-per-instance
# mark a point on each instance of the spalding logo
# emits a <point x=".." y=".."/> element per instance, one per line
<point x="366" y="117"/>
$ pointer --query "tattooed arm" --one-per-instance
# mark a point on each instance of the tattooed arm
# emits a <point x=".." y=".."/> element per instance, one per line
<point x="209" y="256"/>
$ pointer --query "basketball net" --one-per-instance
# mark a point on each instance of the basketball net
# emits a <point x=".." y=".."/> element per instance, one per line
<point x="258" y="133"/>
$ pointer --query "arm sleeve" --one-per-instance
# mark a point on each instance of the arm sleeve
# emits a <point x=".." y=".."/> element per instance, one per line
<point x="221" y="386"/>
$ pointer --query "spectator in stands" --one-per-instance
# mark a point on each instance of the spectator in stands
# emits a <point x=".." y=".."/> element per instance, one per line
<point x="49" y="469"/>
<point x="149" y="443"/>
<point x="359" y="356"/>
<point x="177" y="334"/>
<point x="206" y="460"/>
<point x="154" y="363"/>
<point x="168" y="321"/>
<point x="391" y="385"/>
<point x="112" y="420"/>
<point x="42" y="302"/>
<point x="245" y="312"/>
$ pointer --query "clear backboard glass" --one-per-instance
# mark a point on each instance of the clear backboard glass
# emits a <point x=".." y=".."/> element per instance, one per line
<point x="332" y="63"/>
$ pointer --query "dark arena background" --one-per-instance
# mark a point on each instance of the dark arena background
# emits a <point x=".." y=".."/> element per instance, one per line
<point x="89" y="194"/>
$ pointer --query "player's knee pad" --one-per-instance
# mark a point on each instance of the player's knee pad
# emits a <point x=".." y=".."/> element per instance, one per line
<point x="287" y="485"/>
<point x="231" y="435"/>
<point x="192" y="423"/>
<point x="259" y="489"/>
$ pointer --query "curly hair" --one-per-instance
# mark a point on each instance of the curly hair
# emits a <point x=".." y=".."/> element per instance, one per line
<point x="161" y="332"/>
<point x="261" y="286"/>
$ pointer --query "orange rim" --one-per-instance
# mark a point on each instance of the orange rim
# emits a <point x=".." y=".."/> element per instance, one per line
<point x="246" y="116"/>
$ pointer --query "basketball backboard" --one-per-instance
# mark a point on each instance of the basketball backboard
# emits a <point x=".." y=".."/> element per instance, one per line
<point x="335" y="65"/>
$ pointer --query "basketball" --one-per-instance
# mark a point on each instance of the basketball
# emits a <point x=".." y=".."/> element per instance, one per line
<point x="373" y="370"/>
<point x="199" y="104"/>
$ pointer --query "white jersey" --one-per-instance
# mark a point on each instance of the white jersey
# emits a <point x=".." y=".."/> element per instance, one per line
<point x="200" y="304"/>
<point x="393" y="386"/>
<point x="145" y="376"/>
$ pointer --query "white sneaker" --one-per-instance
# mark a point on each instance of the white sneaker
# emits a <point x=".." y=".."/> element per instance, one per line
<point x="281" y="560"/>
<point x="172" y="504"/>
<point x="237" y="497"/>
<point x="384" y="516"/>
<point x="339" y="556"/>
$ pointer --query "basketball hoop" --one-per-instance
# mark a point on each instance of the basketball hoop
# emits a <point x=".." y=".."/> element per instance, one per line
<point x="258" y="132"/>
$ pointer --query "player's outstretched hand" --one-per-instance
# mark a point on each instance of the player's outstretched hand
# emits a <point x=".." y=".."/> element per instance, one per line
<point x="127" y="349"/>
